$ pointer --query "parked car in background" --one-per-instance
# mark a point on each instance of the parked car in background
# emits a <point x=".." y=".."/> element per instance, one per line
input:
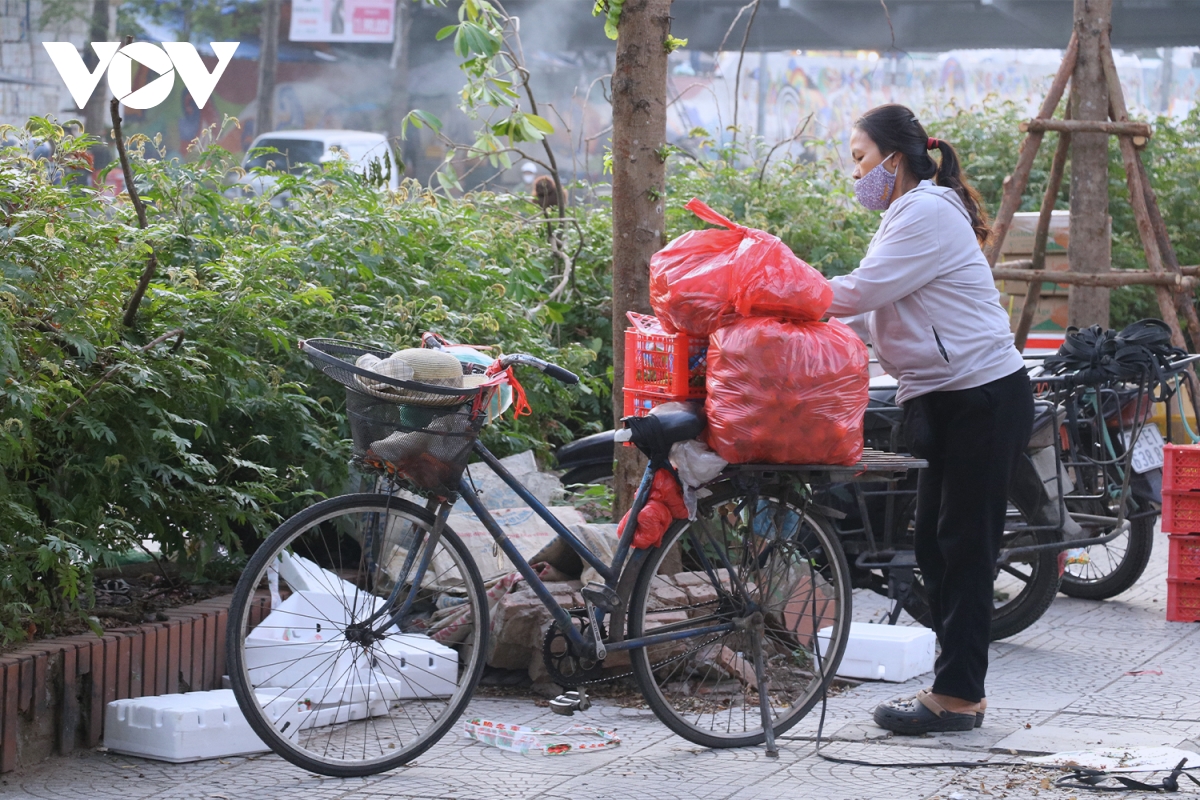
<point x="299" y="148"/>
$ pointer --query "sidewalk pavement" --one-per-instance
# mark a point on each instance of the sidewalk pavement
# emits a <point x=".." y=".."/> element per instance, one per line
<point x="1069" y="682"/>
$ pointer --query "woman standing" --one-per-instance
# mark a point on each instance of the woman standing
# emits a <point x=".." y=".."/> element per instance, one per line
<point x="925" y="296"/>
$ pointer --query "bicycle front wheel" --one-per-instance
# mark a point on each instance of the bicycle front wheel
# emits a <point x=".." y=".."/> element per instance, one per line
<point x="752" y="554"/>
<point x="342" y="662"/>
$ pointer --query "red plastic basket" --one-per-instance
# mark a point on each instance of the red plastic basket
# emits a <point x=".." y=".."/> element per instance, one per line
<point x="1183" y="600"/>
<point x="1183" y="563"/>
<point x="1181" y="467"/>
<point x="639" y="404"/>
<point x="1180" y="511"/>
<point x="663" y="363"/>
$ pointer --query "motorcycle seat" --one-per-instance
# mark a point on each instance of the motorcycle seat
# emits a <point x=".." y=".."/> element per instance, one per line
<point x="654" y="434"/>
<point x="1047" y="417"/>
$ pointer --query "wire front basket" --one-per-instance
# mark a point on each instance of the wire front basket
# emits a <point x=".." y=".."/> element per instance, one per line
<point x="422" y="432"/>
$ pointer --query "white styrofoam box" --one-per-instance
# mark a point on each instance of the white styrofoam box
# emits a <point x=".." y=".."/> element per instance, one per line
<point x="300" y="644"/>
<point x="304" y="575"/>
<point x="201" y="725"/>
<point x="180" y="727"/>
<point x="891" y="653"/>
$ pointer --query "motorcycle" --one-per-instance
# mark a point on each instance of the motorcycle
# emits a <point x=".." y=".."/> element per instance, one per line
<point x="1082" y="503"/>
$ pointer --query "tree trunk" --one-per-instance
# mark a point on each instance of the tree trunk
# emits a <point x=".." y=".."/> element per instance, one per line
<point x="399" y="99"/>
<point x="1091" y="239"/>
<point x="95" y="113"/>
<point x="639" y="104"/>
<point x="264" y="119"/>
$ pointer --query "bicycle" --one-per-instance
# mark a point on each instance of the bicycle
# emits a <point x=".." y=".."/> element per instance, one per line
<point x="359" y="629"/>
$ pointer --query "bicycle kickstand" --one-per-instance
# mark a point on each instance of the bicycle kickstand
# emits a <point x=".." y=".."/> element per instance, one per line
<point x="757" y="631"/>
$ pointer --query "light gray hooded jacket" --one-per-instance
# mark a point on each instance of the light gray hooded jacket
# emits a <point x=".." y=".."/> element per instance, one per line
<point x="927" y="298"/>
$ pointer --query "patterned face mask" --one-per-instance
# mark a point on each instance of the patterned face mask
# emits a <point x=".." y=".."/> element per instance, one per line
<point x="874" y="190"/>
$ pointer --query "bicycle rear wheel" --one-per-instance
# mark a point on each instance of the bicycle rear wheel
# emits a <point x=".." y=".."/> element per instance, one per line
<point x="331" y="663"/>
<point x="750" y="551"/>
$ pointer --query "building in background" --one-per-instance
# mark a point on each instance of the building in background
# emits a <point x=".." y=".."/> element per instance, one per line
<point x="29" y="84"/>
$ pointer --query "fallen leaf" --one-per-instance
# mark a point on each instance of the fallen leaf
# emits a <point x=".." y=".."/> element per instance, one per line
<point x="1045" y="783"/>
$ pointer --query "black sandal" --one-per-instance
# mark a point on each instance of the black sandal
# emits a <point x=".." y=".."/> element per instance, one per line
<point x="913" y="716"/>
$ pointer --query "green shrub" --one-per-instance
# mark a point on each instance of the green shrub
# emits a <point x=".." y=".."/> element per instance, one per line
<point x="202" y="441"/>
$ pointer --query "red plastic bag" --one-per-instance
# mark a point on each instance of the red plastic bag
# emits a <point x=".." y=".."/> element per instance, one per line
<point x="786" y="393"/>
<point x="707" y="279"/>
<point x="665" y="504"/>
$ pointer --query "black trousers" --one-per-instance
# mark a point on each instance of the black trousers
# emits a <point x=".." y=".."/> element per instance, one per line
<point x="972" y="439"/>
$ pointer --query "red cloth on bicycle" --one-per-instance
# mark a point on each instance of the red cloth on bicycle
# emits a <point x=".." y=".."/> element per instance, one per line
<point x="709" y="278"/>
<point x="664" y="505"/>
<point x="786" y="393"/>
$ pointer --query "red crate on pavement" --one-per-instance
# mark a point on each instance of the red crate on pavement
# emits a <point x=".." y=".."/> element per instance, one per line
<point x="1183" y="600"/>
<point x="1183" y="562"/>
<point x="1181" y="467"/>
<point x="1180" y="511"/>
<point x="663" y="363"/>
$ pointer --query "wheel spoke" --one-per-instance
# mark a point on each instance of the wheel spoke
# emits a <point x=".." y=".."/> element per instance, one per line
<point x="775" y="566"/>
<point x="324" y="690"/>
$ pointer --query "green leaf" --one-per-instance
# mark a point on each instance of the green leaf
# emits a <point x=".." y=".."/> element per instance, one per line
<point x="540" y="123"/>
<point x="446" y="32"/>
<point x="420" y="119"/>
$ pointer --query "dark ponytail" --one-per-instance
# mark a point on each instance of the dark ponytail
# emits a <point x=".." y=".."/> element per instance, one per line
<point x="894" y="128"/>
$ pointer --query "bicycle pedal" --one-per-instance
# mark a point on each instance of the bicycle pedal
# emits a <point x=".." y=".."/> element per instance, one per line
<point x="568" y="703"/>
<point x="601" y="596"/>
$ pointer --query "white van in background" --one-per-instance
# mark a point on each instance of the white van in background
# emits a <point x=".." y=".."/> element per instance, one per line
<point x="297" y="148"/>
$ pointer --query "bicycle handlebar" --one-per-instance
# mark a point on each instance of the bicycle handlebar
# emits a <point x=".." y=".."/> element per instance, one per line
<point x="553" y="370"/>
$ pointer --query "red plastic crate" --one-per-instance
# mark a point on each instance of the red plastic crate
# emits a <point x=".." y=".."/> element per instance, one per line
<point x="1183" y="563"/>
<point x="1183" y="600"/>
<point x="639" y="404"/>
<point x="1180" y="511"/>
<point x="1181" y="467"/>
<point x="663" y="363"/>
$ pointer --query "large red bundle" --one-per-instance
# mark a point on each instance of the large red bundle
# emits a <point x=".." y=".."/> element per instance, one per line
<point x="786" y="393"/>
<point x="707" y="279"/>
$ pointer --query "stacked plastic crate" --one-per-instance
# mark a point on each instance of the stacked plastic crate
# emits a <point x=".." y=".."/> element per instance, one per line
<point x="1181" y="519"/>
<point x="661" y="367"/>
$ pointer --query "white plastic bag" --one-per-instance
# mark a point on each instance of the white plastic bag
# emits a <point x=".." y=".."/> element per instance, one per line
<point x="696" y="465"/>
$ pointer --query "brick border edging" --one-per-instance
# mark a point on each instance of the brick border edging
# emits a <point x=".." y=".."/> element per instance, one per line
<point x="53" y="692"/>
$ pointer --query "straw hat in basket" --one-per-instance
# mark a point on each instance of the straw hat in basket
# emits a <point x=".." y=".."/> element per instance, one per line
<point x="420" y="366"/>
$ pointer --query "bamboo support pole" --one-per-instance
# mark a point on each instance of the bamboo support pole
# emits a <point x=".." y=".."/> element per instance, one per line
<point x="1033" y="294"/>
<point x="1014" y="184"/>
<point x="1122" y="277"/>
<point x="1138" y="130"/>
<point x="1137" y="198"/>
<point x="1186" y="304"/>
<point x="1139" y="195"/>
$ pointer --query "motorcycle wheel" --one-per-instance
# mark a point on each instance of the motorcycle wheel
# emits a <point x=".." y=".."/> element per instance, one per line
<point x="1023" y="591"/>
<point x="1113" y="567"/>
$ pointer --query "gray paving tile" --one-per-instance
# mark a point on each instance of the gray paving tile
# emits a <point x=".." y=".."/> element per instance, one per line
<point x="1067" y="671"/>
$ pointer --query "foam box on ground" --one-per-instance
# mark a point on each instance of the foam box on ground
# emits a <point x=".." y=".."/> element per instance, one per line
<point x="891" y="653"/>
<point x="300" y="645"/>
<point x="180" y="727"/>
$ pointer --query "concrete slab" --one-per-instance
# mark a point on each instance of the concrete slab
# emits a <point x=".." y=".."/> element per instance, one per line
<point x="1046" y="739"/>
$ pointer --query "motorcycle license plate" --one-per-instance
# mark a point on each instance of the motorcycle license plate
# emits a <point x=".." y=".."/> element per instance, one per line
<point x="1147" y="450"/>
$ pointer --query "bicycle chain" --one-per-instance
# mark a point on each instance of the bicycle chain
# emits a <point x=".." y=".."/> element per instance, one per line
<point x="664" y="662"/>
